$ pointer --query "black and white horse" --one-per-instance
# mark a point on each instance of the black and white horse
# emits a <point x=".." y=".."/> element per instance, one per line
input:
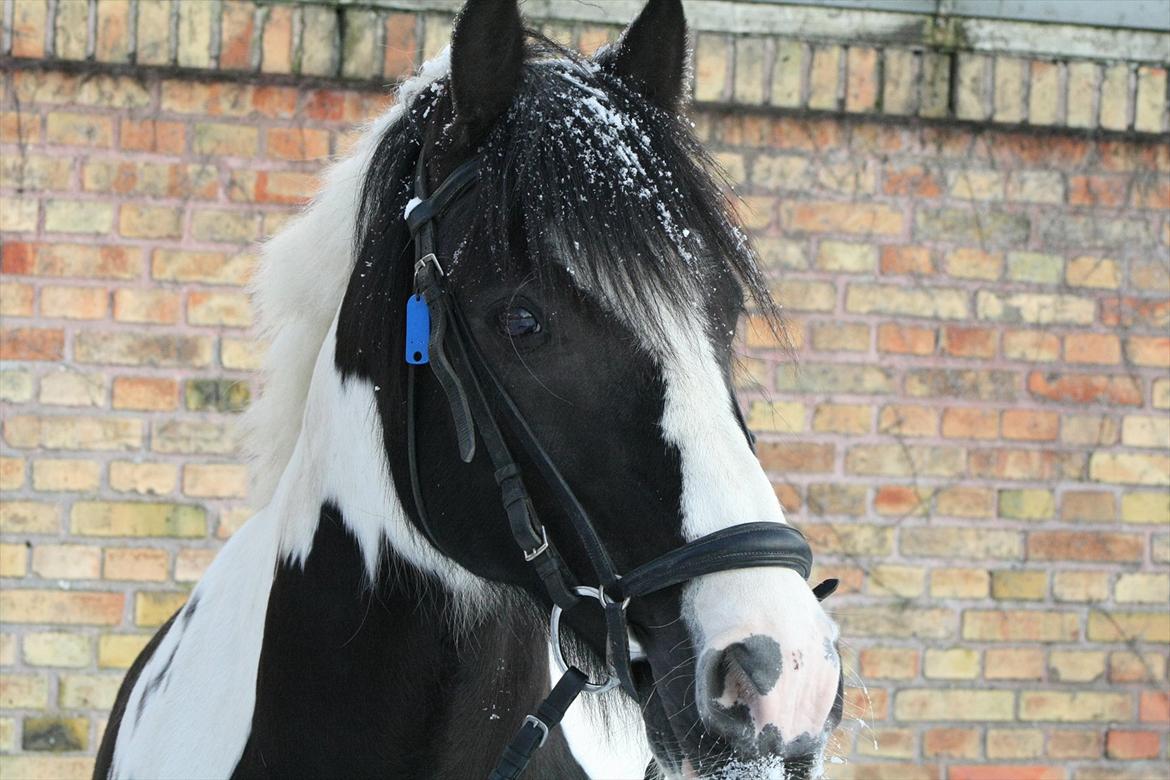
<point x="600" y="275"/>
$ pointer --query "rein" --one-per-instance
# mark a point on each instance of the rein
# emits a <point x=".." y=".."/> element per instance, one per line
<point x="438" y="335"/>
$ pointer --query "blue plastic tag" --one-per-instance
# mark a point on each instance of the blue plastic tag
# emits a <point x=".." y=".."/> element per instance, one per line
<point x="418" y="331"/>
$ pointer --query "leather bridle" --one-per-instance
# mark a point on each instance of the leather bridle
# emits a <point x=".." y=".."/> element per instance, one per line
<point x="438" y="334"/>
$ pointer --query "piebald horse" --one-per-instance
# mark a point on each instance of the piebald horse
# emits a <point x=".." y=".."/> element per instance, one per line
<point x="377" y="618"/>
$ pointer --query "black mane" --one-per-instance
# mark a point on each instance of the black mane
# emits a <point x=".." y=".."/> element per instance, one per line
<point x="583" y="173"/>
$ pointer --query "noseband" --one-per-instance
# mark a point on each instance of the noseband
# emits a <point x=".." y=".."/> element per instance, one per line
<point x="437" y="333"/>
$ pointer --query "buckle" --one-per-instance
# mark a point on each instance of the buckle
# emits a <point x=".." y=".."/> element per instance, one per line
<point x="421" y="264"/>
<point x="539" y="724"/>
<point x="536" y="552"/>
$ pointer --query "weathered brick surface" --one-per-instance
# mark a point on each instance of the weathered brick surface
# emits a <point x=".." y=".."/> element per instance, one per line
<point x="975" y="440"/>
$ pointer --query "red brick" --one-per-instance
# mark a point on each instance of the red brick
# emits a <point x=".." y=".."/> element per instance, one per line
<point x="297" y="143"/>
<point x="275" y="102"/>
<point x="1148" y="351"/>
<point x="325" y="105"/>
<point x="796" y="457"/>
<point x="70" y="260"/>
<point x="1102" y="191"/>
<point x="1133" y="745"/>
<point x="1135" y="312"/>
<point x="900" y="500"/>
<point x="1046" y="151"/>
<point x="951" y="743"/>
<point x="237" y="26"/>
<point x="853" y="218"/>
<point x="32" y="344"/>
<point x="28" y="28"/>
<point x="288" y="187"/>
<point x="1085" y="388"/>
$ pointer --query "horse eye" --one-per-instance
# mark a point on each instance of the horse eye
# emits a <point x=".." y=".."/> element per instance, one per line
<point x="517" y="321"/>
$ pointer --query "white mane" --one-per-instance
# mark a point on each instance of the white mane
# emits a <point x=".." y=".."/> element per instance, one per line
<point x="298" y="287"/>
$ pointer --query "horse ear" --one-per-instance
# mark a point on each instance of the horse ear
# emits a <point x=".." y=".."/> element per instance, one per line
<point x="487" y="54"/>
<point x="652" y="53"/>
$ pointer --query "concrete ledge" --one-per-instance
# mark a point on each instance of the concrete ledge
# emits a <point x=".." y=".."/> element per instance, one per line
<point x="770" y="57"/>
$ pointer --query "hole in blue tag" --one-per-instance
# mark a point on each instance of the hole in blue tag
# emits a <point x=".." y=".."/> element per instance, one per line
<point x="418" y="331"/>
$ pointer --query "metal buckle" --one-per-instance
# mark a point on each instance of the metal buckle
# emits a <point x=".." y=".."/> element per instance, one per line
<point x="421" y="263"/>
<point x="532" y="555"/>
<point x="555" y="637"/>
<point x="540" y="724"/>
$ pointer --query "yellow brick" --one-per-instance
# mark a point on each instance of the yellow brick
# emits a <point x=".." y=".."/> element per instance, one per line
<point x="71" y="388"/>
<point x="960" y="583"/>
<point x="1140" y="588"/>
<point x="1020" y="626"/>
<point x="101" y="518"/>
<point x="74" y="303"/>
<point x="57" y="649"/>
<point x="154" y="608"/>
<point x="118" y="651"/>
<point x="1014" y="743"/>
<point x="953" y="664"/>
<point x="1099" y="272"/>
<point x="1014" y="663"/>
<point x="69" y="607"/>
<point x="1065" y="707"/>
<point x="34" y="767"/>
<point x="1019" y="585"/>
<point x="74" y="433"/>
<point x="1076" y="666"/>
<point x="1130" y="469"/>
<point x="11" y="473"/>
<point x="27" y="517"/>
<point x="67" y="562"/>
<point x="1153" y="508"/>
<point x="143" y="478"/>
<point x="71" y="475"/>
<point x="1080" y="585"/>
<point x="191" y="563"/>
<point x="1143" y="431"/>
<point x="782" y="416"/>
<point x="13" y="560"/>
<point x="1128" y="626"/>
<point x="136" y="563"/>
<point x="23" y="692"/>
<point x="215" y="480"/>
<point x="18" y="215"/>
<point x="954" y="705"/>
<point x="7" y="650"/>
<point x="148" y="306"/>
<point x="898" y="581"/>
<point x="88" y="691"/>
<point x="55" y="733"/>
<point x="138" y="221"/>
<point x="842" y="418"/>
<point x="79" y="216"/>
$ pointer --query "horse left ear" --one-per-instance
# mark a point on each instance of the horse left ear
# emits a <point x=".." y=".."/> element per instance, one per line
<point x="652" y="53"/>
<point x="487" y="55"/>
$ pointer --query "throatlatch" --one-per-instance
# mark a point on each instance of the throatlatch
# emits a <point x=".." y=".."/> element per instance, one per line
<point x="438" y="335"/>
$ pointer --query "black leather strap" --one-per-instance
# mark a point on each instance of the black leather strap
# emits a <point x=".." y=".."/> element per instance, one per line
<point x="741" y="546"/>
<point x="536" y="727"/>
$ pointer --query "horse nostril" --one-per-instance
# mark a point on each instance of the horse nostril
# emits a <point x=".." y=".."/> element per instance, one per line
<point x="734" y="679"/>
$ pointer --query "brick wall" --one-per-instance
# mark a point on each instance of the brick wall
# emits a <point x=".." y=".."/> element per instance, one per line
<point x="973" y="433"/>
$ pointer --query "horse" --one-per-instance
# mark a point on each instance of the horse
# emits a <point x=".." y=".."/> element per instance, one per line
<point x="528" y="253"/>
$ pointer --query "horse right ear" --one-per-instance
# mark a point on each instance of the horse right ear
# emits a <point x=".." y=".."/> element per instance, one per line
<point x="651" y="55"/>
<point x="487" y="55"/>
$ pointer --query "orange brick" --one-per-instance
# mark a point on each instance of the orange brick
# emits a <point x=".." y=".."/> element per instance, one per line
<point x="1154" y="707"/>
<point x="297" y="143"/>
<point x="912" y="180"/>
<point x="951" y="743"/>
<point x="889" y="663"/>
<point x="905" y="339"/>
<point x="1100" y="348"/>
<point x="401" y="45"/>
<point x="1084" y="546"/>
<point x="32" y="344"/>
<point x="237" y="27"/>
<point x="1076" y="744"/>
<point x="1085" y="388"/>
<point x="912" y="421"/>
<point x="906" y="260"/>
<point x="969" y="342"/>
<point x="151" y="135"/>
<point x="226" y="309"/>
<point x="71" y="260"/>
<point x="970" y="423"/>
<point x="146" y="393"/>
<point x="1107" y="191"/>
<point x="854" y="218"/>
<point x="1030" y="425"/>
<point x="900" y="500"/>
<point x="1133" y="745"/>
<point x="1014" y="663"/>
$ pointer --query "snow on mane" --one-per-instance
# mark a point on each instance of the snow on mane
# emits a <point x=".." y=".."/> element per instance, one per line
<point x="298" y="287"/>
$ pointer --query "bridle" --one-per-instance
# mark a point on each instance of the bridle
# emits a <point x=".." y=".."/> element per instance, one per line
<point x="438" y="334"/>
